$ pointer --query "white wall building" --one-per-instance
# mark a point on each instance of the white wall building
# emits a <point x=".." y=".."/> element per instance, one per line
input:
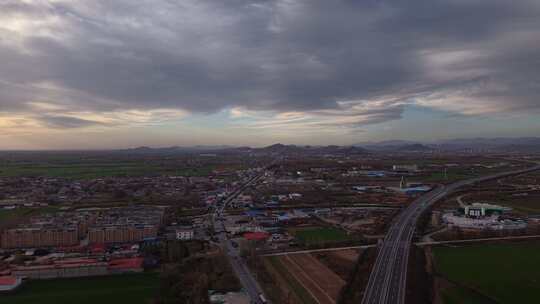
<point x="490" y="222"/>
<point x="184" y="234"/>
<point x="410" y="168"/>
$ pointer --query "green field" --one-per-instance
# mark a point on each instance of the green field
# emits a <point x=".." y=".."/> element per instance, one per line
<point x="460" y="295"/>
<point x="527" y="206"/>
<point x="132" y="288"/>
<point x="317" y="236"/>
<point x="507" y="273"/>
<point x="455" y="174"/>
<point x="524" y="204"/>
<point x="7" y="215"/>
<point x="99" y="170"/>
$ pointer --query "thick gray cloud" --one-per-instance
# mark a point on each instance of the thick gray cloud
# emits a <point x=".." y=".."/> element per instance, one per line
<point x="468" y="56"/>
<point x="64" y="122"/>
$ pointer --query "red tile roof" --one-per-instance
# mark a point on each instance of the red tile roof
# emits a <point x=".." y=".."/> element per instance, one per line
<point x="97" y="247"/>
<point x="256" y="236"/>
<point x="8" y="280"/>
<point x="126" y="263"/>
<point x="76" y="261"/>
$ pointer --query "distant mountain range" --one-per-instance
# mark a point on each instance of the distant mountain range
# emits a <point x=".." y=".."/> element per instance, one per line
<point x="500" y="144"/>
<point x="273" y="149"/>
<point x="396" y="145"/>
<point x="176" y="149"/>
<point x="291" y="149"/>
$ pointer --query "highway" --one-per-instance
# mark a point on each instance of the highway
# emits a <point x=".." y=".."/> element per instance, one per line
<point x="388" y="279"/>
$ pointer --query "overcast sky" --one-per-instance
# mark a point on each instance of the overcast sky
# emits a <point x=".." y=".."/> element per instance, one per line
<point x="123" y="73"/>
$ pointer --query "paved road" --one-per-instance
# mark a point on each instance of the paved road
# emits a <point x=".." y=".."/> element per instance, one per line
<point x="319" y="250"/>
<point x="243" y="273"/>
<point x="505" y="238"/>
<point x="250" y="285"/>
<point x="388" y="279"/>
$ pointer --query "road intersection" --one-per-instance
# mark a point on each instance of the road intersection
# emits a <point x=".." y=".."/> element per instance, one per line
<point x="388" y="279"/>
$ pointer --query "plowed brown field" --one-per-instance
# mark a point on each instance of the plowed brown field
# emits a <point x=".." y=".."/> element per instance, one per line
<point x="321" y="282"/>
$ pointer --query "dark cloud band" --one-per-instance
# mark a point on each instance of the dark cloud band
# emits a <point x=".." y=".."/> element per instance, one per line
<point x="204" y="56"/>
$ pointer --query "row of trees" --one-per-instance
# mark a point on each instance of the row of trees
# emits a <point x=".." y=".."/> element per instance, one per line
<point x="188" y="272"/>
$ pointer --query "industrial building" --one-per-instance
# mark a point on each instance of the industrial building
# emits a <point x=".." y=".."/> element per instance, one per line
<point x="483" y="216"/>
<point x="405" y="168"/>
